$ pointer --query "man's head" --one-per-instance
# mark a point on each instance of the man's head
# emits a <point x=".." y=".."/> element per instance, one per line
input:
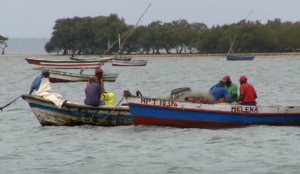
<point x="221" y="82"/>
<point x="227" y="80"/>
<point x="92" y="80"/>
<point x="243" y="79"/>
<point x="45" y="72"/>
<point x="99" y="73"/>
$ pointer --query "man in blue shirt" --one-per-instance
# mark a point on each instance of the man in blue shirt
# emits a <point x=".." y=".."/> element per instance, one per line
<point x="93" y="93"/>
<point x="37" y="81"/>
<point x="220" y="93"/>
<point x="43" y="89"/>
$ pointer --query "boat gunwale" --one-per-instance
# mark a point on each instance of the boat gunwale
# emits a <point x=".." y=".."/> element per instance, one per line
<point x="76" y="105"/>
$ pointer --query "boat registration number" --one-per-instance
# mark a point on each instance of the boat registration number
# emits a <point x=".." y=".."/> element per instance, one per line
<point x="159" y="102"/>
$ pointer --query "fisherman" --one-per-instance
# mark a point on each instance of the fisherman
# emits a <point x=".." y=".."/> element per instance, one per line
<point x="42" y="86"/>
<point x="108" y="97"/>
<point x="231" y="87"/>
<point x="93" y="93"/>
<point x="220" y="93"/>
<point x="247" y="92"/>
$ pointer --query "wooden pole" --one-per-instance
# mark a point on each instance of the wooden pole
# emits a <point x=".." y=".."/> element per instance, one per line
<point x="133" y="28"/>
<point x="238" y="32"/>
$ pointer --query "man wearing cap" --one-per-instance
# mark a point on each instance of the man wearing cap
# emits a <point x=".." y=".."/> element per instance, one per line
<point x="247" y="92"/>
<point x="220" y="93"/>
<point x="231" y="87"/>
<point x="108" y="97"/>
<point x="93" y="93"/>
<point x="42" y="86"/>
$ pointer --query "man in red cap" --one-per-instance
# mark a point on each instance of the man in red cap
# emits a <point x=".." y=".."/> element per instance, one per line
<point x="231" y="87"/>
<point x="247" y="92"/>
<point x="108" y="97"/>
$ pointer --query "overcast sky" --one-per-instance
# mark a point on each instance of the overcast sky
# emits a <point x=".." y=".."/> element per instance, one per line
<point x="36" y="18"/>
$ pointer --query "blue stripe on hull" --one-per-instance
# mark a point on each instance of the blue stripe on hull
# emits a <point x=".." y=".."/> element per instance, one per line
<point x="212" y="116"/>
<point x="84" y="114"/>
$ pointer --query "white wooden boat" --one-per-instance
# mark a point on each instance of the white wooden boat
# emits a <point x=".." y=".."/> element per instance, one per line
<point x="74" y="114"/>
<point x="129" y="63"/>
<point x="105" y="59"/>
<point x="61" y="77"/>
<point x="63" y="64"/>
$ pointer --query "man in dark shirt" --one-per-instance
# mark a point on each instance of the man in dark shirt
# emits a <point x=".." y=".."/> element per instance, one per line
<point x="93" y="93"/>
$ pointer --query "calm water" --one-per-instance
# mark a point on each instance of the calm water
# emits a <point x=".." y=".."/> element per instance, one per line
<point x="26" y="147"/>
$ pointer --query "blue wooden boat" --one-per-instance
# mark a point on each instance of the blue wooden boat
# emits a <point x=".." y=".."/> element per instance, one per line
<point x="75" y="114"/>
<point x="161" y="112"/>
<point x="231" y="57"/>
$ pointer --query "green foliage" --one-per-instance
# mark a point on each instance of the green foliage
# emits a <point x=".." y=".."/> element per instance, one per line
<point x="91" y="34"/>
<point x="3" y="39"/>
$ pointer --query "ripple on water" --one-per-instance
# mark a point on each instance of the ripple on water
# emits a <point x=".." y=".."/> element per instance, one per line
<point x="26" y="147"/>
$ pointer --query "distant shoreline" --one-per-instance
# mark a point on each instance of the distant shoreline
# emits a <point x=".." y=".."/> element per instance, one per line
<point x="155" y="56"/>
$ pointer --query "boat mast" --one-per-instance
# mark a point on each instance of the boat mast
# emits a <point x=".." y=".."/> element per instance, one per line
<point x="131" y="30"/>
<point x="238" y="32"/>
<point x="119" y="44"/>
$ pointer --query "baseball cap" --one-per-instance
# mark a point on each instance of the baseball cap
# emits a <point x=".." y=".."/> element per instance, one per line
<point x="243" y="78"/>
<point x="221" y="82"/>
<point x="226" y="77"/>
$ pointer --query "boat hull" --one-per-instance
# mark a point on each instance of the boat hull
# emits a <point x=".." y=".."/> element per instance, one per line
<point x="239" y="57"/>
<point x="75" y="114"/>
<point x="62" y="64"/>
<point x="157" y="112"/>
<point x="129" y="63"/>
<point x="65" y="77"/>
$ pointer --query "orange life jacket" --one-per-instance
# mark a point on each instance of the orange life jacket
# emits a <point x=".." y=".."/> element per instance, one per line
<point x="221" y="100"/>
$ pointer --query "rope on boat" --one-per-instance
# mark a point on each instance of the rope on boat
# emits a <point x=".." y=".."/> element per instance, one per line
<point x="14" y="65"/>
<point x="1" y="108"/>
<point x="24" y="78"/>
<point x="110" y="111"/>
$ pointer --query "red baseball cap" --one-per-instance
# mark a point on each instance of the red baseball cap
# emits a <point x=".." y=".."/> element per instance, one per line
<point x="225" y="78"/>
<point x="98" y="71"/>
<point x="243" y="78"/>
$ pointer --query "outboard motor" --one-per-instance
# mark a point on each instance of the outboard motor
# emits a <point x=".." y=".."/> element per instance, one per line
<point x="178" y="91"/>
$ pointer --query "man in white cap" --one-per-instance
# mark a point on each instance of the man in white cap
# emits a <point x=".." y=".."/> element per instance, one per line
<point x="42" y="86"/>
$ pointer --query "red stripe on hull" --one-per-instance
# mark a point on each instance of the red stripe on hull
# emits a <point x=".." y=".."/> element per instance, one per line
<point x="127" y="65"/>
<point x="154" y="121"/>
<point x="38" y="63"/>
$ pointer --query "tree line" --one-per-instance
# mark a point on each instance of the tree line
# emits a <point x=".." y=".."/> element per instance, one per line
<point x="93" y="35"/>
<point x="3" y="44"/>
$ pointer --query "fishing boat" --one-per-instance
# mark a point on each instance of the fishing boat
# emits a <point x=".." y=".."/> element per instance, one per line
<point x="169" y="112"/>
<point x="65" y="77"/>
<point x="63" y="64"/>
<point x="75" y="114"/>
<point x="129" y="63"/>
<point x="122" y="59"/>
<point x="230" y="51"/>
<point x="232" y="57"/>
<point x="91" y="59"/>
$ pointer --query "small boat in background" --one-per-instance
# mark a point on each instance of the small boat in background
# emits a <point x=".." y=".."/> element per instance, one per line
<point x="91" y="59"/>
<point x="76" y="114"/>
<point x="122" y="59"/>
<point x="129" y="63"/>
<point x="63" y="64"/>
<point x="232" y="57"/>
<point x="65" y="77"/>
